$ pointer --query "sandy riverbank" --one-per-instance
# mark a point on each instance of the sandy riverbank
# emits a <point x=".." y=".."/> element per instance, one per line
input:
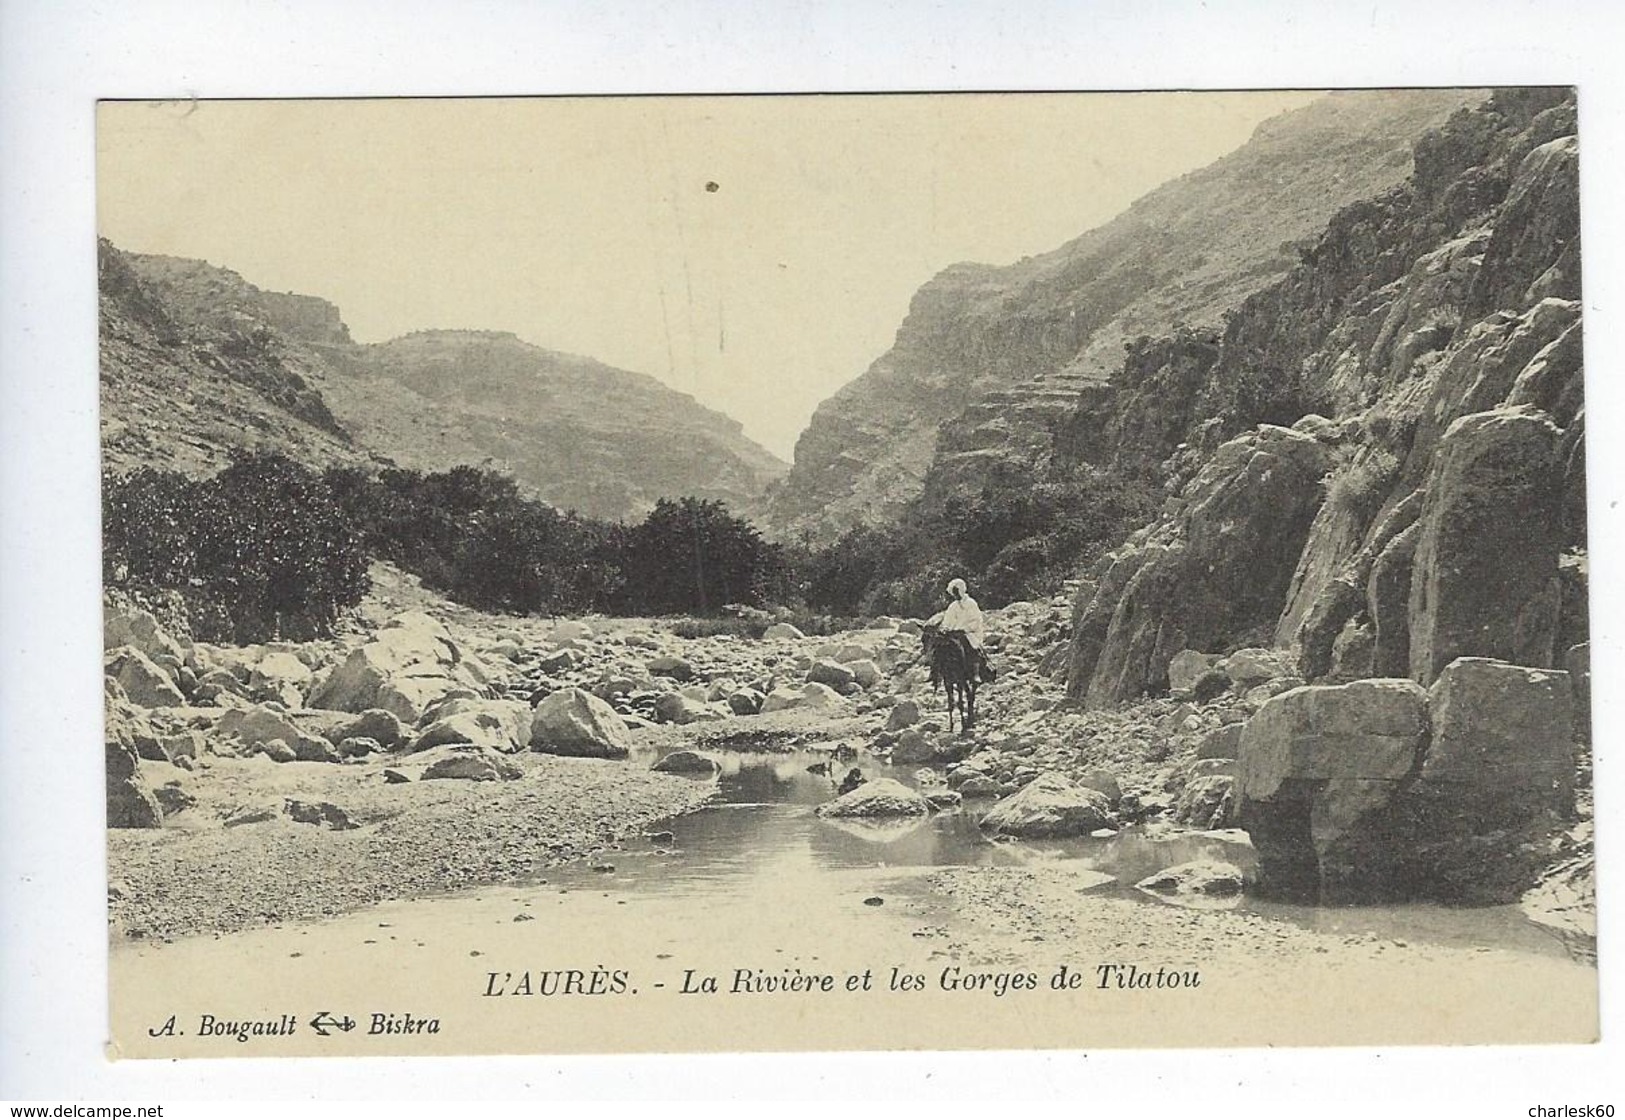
<point x="413" y="839"/>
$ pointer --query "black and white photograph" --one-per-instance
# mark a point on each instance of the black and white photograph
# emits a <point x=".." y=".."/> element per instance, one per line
<point x="944" y="571"/>
<point x="911" y="554"/>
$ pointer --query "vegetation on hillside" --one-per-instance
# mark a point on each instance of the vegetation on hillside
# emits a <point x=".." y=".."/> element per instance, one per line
<point x="268" y="548"/>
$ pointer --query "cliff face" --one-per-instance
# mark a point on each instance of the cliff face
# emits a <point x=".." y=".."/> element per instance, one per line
<point x="220" y="297"/>
<point x="1426" y="353"/>
<point x="989" y="360"/>
<point x="179" y="390"/>
<point x="197" y="361"/>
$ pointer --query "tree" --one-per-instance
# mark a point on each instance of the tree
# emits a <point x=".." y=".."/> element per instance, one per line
<point x="692" y="556"/>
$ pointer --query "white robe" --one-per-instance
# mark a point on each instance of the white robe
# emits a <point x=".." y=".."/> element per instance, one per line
<point x="965" y="616"/>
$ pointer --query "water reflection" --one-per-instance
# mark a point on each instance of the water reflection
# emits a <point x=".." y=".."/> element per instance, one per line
<point x="761" y="833"/>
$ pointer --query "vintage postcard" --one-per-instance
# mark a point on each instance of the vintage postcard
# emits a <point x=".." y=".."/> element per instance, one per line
<point x="883" y="572"/>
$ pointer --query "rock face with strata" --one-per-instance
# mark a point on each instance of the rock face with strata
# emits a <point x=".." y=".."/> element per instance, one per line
<point x="1484" y="580"/>
<point x="1378" y="790"/>
<point x="990" y="360"/>
<point x="1219" y="567"/>
<point x="1414" y="318"/>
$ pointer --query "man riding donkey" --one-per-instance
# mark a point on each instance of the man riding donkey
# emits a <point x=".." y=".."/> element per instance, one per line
<point x="961" y="621"/>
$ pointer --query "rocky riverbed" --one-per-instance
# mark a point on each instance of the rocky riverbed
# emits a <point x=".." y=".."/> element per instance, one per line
<point x="431" y="748"/>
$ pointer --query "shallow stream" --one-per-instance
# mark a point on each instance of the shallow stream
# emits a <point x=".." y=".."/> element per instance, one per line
<point x="755" y="890"/>
<point x="760" y="832"/>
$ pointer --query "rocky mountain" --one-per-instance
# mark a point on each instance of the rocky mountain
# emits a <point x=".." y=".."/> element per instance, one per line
<point x="586" y="435"/>
<point x="990" y="359"/>
<point x="1426" y="355"/>
<point x="197" y="361"/>
<point x="179" y="392"/>
<point x="1412" y="546"/>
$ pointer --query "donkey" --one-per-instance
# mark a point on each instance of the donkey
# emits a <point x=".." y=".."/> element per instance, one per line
<point x="954" y="663"/>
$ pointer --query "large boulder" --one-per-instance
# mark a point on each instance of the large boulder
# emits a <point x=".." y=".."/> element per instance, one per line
<point x="783" y="631"/>
<point x="829" y="672"/>
<point x="1484" y="580"/>
<point x="905" y="713"/>
<point x="411" y="695"/>
<point x="912" y="747"/>
<point x="1050" y="805"/>
<point x="469" y="763"/>
<point x="1368" y="731"/>
<point x="865" y="671"/>
<point x="1186" y="668"/>
<point x="1315" y="764"/>
<point x="409" y="663"/>
<point x="146" y="685"/>
<point x="1377" y="791"/>
<point x="257" y="726"/>
<point x="215" y="683"/>
<point x="810" y="695"/>
<point x="281" y="677"/>
<point x="1221" y="742"/>
<point x="138" y="629"/>
<point x="1210" y="877"/>
<point x="688" y="762"/>
<point x="1207" y="801"/>
<point x="816" y="695"/>
<point x="559" y="661"/>
<point x="883" y="797"/>
<point x="1502" y="735"/>
<point x="502" y="725"/>
<point x="782" y="699"/>
<point x="675" y="707"/>
<point x="745" y="701"/>
<point x="382" y="727"/>
<point x="1103" y="782"/>
<point x="322" y="814"/>
<point x="578" y="724"/>
<point x="130" y="802"/>
<point x="670" y="665"/>
<point x="1254" y="666"/>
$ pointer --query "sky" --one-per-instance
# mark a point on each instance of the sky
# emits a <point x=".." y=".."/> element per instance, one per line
<point x="756" y="252"/>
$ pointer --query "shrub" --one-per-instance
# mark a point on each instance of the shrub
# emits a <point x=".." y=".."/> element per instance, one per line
<point x="262" y="550"/>
<point x="713" y="627"/>
<point x="1360" y="485"/>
